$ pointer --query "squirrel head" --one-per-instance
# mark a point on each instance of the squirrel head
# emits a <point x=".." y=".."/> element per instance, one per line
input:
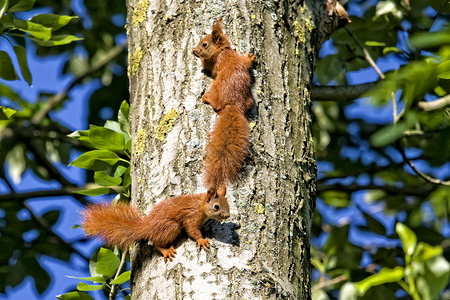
<point x="211" y="45"/>
<point x="216" y="204"/>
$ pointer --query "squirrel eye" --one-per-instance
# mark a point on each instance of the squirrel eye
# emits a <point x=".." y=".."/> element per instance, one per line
<point x="216" y="206"/>
<point x="205" y="44"/>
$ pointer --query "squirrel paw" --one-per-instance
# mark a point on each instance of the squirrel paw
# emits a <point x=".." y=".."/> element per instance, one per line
<point x="205" y="98"/>
<point x="203" y="243"/>
<point x="251" y="56"/>
<point x="168" y="253"/>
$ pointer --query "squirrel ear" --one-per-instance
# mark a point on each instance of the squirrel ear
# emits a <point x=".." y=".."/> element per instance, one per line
<point x="222" y="190"/>
<point x="210" y="194"/>
<point x="217" y="31"/>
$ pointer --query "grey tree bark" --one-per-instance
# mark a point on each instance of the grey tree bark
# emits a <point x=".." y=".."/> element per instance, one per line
<point x="262" y="252"/>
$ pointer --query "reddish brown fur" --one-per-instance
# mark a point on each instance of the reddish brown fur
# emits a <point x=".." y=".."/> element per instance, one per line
<point x="227" y="148"/>
<point x="122" y="225"/>
<point x="229" y="69"/>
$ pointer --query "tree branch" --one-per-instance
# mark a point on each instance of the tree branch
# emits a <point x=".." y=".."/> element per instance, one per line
<point x="43" y="223"/>
<point x="367" y="55"/>
<point x="417" y="171"/>
<point x="113" y="291"/>
<point x="323" y="284"/>
<point x="436" y="104"/>
<point x="420" y="192"/>
<point x="53" y="101"/>
<point x="65" y="191"/>
<point x="340" y="93"/>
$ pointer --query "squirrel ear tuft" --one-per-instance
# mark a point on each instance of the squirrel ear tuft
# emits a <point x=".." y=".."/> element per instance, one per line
<point x="217" y="31"/>
<point x="222" y="190"/>
<point x="210" y="194"/>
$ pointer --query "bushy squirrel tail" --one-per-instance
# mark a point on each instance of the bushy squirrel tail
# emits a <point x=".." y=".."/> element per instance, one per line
<point x="116" y="224"/>
<point x="227" y="148"/>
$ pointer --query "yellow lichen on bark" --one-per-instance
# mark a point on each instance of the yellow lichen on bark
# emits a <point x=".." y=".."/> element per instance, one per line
<point x="140" y="12"/>
<point x="139" y="142"/>
<point x="166" y="125"/>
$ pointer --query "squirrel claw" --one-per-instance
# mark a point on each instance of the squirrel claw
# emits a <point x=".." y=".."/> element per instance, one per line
<point x="251" y="56"/>
<point x="168" y="253"/>
<point x="205" y="98"/>
<point x="203" y="243"/>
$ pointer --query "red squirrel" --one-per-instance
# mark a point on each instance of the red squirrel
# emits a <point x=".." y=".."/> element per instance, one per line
<point x="230" y="71"/>
<point x="226" y="149"/>
<point x="230" y="97"/>
<point x="122" y="224"/>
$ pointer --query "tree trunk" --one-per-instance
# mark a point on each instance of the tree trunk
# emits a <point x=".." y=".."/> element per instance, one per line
<point x="262" y="251"/>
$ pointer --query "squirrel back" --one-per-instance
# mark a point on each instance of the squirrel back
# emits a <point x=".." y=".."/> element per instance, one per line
<point x="122" y="224"/>
<point x="227" y="148"/>
<point x="229" y="69"/>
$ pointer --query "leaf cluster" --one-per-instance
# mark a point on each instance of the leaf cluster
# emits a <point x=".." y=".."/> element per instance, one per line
<point x="110" y="157"/>
<point x="364" y="151"/>
<point x="41" y="29"/>
<point x="104" y="266"/>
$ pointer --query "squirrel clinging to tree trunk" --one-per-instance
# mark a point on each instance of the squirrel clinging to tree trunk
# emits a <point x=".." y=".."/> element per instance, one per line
<point x="230" y="97"/>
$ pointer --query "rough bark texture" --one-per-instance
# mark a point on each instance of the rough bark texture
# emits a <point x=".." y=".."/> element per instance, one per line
<point x="262" y="252"/>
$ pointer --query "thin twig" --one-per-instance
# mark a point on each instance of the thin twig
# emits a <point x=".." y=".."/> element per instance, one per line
<point x="113" y="292"/>
<point x="417" y="171"/>
<point x="65" y="191"/>
<point x="53" y="101"/>
<point x="43" y="223"/>
<point x="323" y="284"/>
<point x="419" y="191"/>
<point x="436" y="104"/>
<point x="340" y="93"/>
<point x="394" y="111"/>
<point x="367" y="55"/>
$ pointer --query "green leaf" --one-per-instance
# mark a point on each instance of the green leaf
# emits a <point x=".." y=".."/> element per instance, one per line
<point x="22" y="58"/>
<point x="375" y="44"/>
<point x="107" y="262"/>
<point x="106" y="139"/>
<point x="3" y="7"/>
<point x="96" y="192"/>
<point x="16" y="161"/>
<point x="53" y="21"/>
<point x="57" y="40"/>
<point x="92" y="278"/>
<point x="51" y="216"/>
<point x="385" y="275"/>
<point x="409" y="239"/>
<point x="425" y="252"/>
<point x="388" y="134"/>
<point x="5" y="112"/>
<point x="7" y="71"/>
<point x="81" y="286"/>
<point x="319" y="294"/>
<point x="374" y="225"/>
<point x="36" y="30"/>
<point x="126" y="178"/>
<point x="125" y="276"/>
<point x="437" y="275"/>
<point x="8" y="93"/>
<point x="103" y="179"/>
<point x="388" y="50"/>
<point x="124" y="112"/>
<point x="336" y="198"/>
<point x="22" y="5"/>
<point x="425" y="40"/>
<point x="96" y="160"/>
<point x="75" y="296"/>
<point x="348" y="292"/>
<point x="119" y="171"/>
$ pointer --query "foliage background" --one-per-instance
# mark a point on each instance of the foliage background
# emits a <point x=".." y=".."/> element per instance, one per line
<point x="364" y="149"/>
